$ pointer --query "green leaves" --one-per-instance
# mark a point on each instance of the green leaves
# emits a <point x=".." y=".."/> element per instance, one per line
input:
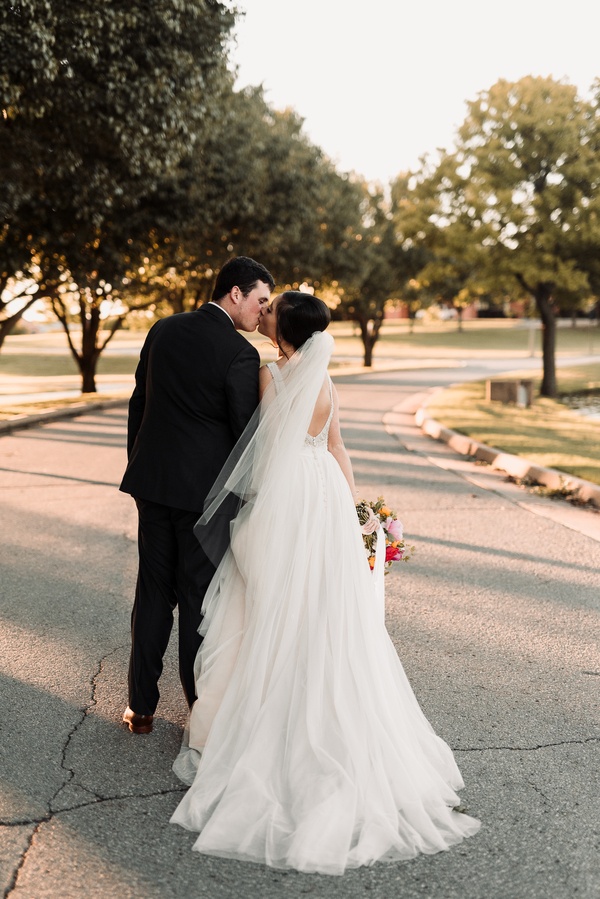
<point x="102" y="103"/>
<point x="517" y="204"/>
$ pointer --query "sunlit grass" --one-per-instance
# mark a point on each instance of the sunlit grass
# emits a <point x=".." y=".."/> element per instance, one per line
<point x="488" y="337"/>
<point x="47" y="355"/>
<point x="548" y="432"/>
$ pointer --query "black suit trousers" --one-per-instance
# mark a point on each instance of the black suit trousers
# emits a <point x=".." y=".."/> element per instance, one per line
<point x="173" y="572"/>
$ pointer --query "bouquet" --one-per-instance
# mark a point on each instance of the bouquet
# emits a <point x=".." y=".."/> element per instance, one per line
<point x="376" y="518"/>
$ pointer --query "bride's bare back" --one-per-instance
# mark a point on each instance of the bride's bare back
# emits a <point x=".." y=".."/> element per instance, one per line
<point x="327" y="395"/>
<point x="321" y="410"/>
<point x="322" y="406"/>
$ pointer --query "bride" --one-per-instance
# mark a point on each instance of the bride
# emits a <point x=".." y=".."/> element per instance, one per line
<point x="306" y="747"/>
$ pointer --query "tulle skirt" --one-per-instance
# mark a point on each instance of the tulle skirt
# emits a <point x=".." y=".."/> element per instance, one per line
<point x="306" y="748"/>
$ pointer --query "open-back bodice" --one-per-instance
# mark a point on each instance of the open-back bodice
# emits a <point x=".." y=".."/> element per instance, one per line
<point x="321" y="439"/>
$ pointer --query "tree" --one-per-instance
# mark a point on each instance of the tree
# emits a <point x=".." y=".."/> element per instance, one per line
<point x="26" y="39"/>
<point x="522" y="188"/>
<point x="256" y="185"/>
<point x="101" y="103"/>
<point x="440" y="263"/>
<point x="450" y="260"/>
<point x="375" y="269"/>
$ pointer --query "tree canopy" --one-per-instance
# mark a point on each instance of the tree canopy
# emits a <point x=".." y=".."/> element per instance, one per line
<point x="100" y="104"/>
<point x="520" y="195"/>
<point x="255" y="186"/>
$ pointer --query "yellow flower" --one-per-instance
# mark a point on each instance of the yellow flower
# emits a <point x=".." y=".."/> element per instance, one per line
<point x="385" y="511"/>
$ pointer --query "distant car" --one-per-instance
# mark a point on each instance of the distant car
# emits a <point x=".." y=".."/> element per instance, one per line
<point x="437" y="313"/>
<point x="447" y="313"/>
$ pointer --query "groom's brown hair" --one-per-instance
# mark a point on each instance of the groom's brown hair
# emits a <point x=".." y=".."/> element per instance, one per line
<point x="242" y="272"/>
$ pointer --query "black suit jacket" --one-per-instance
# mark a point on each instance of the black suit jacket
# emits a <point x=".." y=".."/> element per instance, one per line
<point x="196" y="389"/>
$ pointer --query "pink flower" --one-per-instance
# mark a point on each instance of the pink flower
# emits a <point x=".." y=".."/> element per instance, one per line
<point x="371" y="524"/>
<point x="393" y="554"/>
<point x="394" y="528"/>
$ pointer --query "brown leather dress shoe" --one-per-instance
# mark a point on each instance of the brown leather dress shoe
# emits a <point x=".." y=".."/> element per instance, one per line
<point x="138" y="724"/>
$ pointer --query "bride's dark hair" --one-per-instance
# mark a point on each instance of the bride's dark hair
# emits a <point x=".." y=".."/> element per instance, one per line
<point x="299" y="315"/>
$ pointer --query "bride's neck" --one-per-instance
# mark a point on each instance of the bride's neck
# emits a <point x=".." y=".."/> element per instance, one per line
<point x="286" y="350"/>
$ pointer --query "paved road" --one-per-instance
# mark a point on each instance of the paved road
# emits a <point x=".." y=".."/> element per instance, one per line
<point x="496" y="620"/>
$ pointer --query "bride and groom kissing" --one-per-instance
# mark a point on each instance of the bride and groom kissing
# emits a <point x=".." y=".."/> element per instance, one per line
<point x="305" y="746"/>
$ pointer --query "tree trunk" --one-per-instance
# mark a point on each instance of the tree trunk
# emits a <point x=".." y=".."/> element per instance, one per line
<point x="543" y="299"/>
<point x="87" y="367"/>
<point x="459" y="317"/>
<point x="91" y="346"/>
<point x="369" y="332"/>
<point x="90" y="353"/>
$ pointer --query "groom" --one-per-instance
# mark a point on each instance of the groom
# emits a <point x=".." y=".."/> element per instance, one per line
<point x="196" y="390"/>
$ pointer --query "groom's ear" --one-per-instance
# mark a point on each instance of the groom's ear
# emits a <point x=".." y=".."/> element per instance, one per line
<point x="236" y="295"/>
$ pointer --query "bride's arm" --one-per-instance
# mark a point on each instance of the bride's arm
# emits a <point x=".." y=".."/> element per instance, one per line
<point x="264" y="379"/>
<point x="336" y="446"/>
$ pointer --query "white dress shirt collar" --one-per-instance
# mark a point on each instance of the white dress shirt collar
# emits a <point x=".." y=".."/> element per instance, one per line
<point x="224" y="311"/>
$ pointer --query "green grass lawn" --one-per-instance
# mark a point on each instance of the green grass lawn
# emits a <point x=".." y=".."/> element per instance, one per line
<point x="548" y="432"/>
<point x="490" y="338"/>
<point x="46" y="355"/>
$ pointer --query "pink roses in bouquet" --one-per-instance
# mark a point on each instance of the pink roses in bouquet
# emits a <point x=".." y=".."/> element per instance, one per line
<point x="375" y="517"/>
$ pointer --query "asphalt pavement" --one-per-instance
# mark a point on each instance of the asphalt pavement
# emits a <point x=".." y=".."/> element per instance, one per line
<point x="496" y="619"/>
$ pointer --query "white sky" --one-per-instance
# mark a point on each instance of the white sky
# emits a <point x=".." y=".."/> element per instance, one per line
<point x="381" y="82"/>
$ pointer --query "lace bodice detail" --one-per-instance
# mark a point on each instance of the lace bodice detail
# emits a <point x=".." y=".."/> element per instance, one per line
<point x="321" y="439"/>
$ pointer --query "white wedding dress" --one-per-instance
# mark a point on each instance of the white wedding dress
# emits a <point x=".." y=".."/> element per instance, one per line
<point x="306" y="748"/>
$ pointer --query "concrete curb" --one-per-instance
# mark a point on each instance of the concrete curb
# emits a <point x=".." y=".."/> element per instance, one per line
<point x="20" y="422"/>
<point x="516" y="466"/>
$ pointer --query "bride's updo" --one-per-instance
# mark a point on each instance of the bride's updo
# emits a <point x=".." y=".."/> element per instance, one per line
<point x="299" y="315"/>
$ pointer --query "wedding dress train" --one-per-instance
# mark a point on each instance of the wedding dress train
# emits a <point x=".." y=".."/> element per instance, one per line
<point x="306" y="748"/>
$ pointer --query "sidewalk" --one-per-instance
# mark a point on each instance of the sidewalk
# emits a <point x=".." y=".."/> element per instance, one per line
<point x="495" y="619"/>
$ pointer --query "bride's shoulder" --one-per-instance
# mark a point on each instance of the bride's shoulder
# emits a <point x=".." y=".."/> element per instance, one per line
<point x="265" y="376"/>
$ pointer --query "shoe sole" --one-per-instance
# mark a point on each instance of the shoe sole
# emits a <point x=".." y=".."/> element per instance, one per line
<point x="145" y="729"/>
<point x="138" y="728"/>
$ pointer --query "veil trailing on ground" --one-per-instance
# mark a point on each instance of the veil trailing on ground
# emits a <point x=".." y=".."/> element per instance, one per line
<point x="264" y="458"/>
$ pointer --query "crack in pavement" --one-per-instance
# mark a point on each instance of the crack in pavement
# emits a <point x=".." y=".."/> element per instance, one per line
<point x="529" y="779"/>
<point x="91" y="704"/>
<point x="69" y="772"/>
<point x="525" y="748"/>
<point x="97" y="801"/>
<point x="121" y="796"/>
<point x="545" y="798"/>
